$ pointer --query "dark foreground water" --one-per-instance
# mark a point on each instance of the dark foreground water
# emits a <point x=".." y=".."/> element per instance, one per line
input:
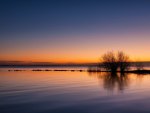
<point x="73" y="92"/>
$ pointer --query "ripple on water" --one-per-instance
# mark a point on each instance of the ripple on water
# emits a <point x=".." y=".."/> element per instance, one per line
<point x="75" y="92"/>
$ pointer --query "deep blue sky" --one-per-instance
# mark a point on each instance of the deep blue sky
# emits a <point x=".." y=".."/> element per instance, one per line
<point x="70" y="27"/>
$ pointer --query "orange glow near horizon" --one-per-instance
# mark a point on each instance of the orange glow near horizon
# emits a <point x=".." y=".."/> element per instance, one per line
<point x="88" y="51"/>
<point x="71" y="58"/>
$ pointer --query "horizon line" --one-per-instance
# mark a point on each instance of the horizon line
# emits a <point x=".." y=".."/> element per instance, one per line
<point x="2" y="62"/>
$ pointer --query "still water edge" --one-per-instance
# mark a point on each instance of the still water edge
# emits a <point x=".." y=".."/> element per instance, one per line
<point x="73" y="92"/>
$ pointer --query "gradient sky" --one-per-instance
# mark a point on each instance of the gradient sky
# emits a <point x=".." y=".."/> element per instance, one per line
<point x="73" y="30"/>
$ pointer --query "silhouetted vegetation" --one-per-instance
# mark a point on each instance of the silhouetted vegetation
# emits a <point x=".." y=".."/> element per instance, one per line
<point x="109" y="62"/>
<point x="115" y="62"/>
<point x="123" y="61"/>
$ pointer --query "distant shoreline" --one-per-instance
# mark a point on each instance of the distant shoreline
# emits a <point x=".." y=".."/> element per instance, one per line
<point x="84" y="70"/>
<point x="42" y="64"/>
<point x="54" y="65"/>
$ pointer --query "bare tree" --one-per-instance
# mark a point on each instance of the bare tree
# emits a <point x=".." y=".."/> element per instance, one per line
<point x="109" y="61"/>
<point x="112" y="62"/>
<point x="123" y="61"/>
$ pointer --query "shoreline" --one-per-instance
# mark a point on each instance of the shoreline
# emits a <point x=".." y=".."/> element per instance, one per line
<point x="84" y="70"/>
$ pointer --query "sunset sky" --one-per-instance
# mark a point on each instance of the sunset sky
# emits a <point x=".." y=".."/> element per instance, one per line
<point x="76" y="31"/>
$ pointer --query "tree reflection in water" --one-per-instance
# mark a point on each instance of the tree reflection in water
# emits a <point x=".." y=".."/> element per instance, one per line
<point x="118" y="81"/>
<point x="113" y="82"/>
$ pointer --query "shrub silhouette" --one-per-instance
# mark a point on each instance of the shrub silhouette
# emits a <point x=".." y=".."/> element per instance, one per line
<point x="109" y="62"/>
<point x="113" y="62"/>
<point x="123" y="61"/>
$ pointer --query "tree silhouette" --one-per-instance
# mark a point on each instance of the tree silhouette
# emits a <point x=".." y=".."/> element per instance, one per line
<point x="109" y="62"/>
<point x="123" y="61"/>
<point x="113" y="62"/>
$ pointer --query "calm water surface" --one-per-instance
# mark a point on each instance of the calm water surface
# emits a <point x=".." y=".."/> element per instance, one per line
<point x="73" y="92"/>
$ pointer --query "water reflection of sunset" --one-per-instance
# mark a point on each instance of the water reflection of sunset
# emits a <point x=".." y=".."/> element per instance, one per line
<point x="74" y="79"/>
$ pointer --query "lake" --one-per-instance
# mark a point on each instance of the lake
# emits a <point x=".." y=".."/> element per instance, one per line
<point x="73" y="92"/>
